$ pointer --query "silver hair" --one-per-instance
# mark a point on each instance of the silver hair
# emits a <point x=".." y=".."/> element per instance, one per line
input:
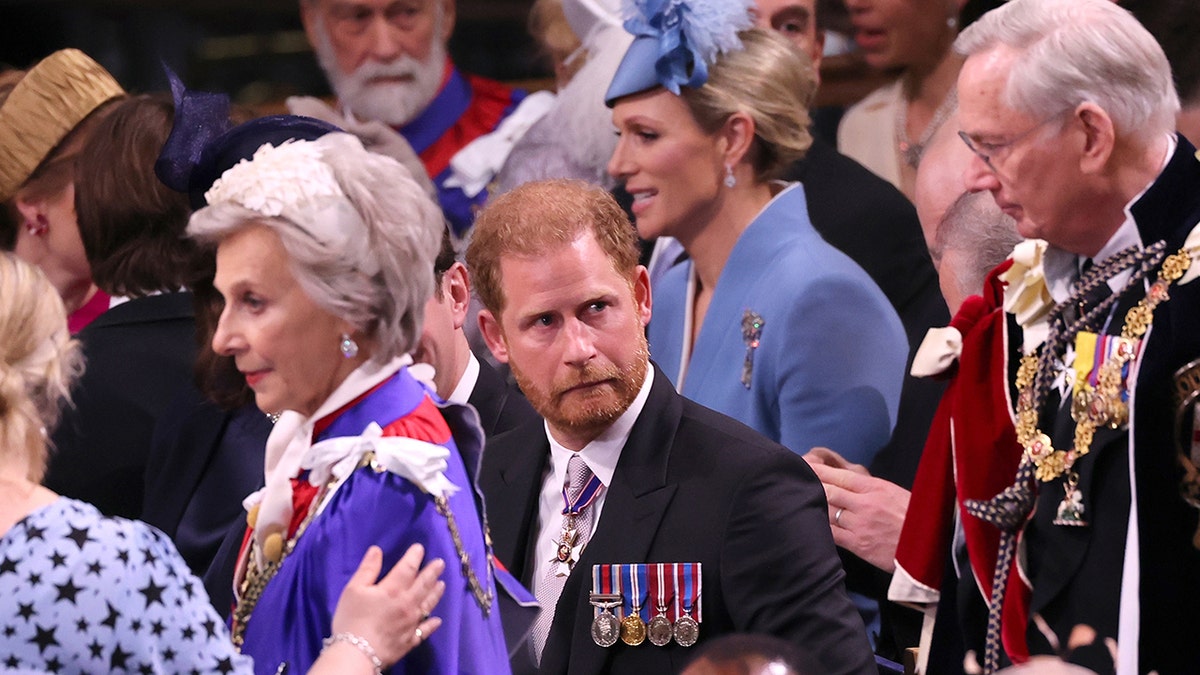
<point x="378" y="278"/>
<point x="977" y="227"/>
<point x="1080" y="50"/>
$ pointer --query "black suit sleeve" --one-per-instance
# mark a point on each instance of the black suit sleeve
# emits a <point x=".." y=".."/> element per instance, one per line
<point x="778" y="522"/>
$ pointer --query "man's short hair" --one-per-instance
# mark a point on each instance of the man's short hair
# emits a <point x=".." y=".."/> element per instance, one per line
<point x="975" y="226"/>
<point x="1074" y="51"/>
<point x="445" y="259"/>
<point x="540" y="215"/>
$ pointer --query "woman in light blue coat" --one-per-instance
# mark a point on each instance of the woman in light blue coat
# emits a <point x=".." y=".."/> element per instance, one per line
<point x="764" y="321"/>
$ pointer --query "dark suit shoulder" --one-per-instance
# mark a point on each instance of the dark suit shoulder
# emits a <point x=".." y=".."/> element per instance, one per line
<point x="501" y="406"/>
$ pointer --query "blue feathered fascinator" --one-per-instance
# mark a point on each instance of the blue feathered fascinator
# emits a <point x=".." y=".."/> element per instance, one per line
<point x="675" y="41"/>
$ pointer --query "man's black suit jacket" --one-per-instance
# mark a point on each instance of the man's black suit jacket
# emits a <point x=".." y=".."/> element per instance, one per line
<point x="501" y="406"/>
<point x="691" y="485"/>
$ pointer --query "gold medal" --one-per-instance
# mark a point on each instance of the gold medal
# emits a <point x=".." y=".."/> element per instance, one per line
<point x="633" y="629"/>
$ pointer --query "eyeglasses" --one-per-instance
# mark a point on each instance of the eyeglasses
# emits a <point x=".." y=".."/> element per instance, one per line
<point x="991" y="152"/>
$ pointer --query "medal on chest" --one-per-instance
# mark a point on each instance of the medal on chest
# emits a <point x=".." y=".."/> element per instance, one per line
<point x="567" y="547"/>
<point x="1100" y="394"/>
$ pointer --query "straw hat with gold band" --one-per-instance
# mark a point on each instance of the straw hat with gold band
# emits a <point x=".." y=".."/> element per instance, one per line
<point x="52" y="98"/>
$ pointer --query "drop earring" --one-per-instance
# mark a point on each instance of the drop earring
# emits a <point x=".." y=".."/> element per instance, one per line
<point x="952" y="23"/>
<point x="348" y="346"/>
<point x="730" y="180"/>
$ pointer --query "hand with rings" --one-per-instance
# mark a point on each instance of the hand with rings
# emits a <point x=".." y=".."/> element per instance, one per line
<point x="391" y="614"/>
<point x="865" y="513"/>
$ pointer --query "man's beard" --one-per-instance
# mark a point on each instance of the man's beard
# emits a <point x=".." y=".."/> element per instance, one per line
<point x="393" y="103"/>
<point x="592" y="411"/>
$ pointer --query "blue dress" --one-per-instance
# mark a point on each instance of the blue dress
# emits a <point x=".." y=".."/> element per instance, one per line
<point x="830" y="351"/>
<point x="86" y="593"/>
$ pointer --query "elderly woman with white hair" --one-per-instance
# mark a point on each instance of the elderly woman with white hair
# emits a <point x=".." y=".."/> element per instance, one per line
<point x="65" y="566"/>
<point x="324" y="258"/>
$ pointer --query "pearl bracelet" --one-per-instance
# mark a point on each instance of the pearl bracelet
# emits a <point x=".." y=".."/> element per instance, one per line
<point x="360" y="643"/>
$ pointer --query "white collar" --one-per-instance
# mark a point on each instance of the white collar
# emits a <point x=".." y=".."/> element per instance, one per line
<point x="466" y="384"/>
<point x="602" y="454"/>
<point x="290" y="440"/>
<point x="1062" y="268"/>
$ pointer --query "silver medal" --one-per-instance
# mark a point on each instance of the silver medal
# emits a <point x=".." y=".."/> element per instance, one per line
<point x="606" y="627"/>
<point x="687" y="631"/>
<point x="659" y="629"/>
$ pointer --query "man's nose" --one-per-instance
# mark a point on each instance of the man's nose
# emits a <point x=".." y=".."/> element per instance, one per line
<point x="581" y="345"/>
<point x="386" y="43"/>
<point x="978" y="176"/>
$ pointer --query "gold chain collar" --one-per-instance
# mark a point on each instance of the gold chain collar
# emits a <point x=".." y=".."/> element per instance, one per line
<point x="1091" y="407"/>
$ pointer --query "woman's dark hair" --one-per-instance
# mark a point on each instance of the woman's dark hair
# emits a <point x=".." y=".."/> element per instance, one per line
<point x="132" y="226"/>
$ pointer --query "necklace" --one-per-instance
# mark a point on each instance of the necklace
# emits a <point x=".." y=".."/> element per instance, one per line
<point x="1092" y="407"/>
<point x="911" y="152"/>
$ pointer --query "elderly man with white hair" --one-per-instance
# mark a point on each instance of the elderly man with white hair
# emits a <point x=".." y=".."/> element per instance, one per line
<point x="1075" y="446"/>
<point x="388" y="65"/>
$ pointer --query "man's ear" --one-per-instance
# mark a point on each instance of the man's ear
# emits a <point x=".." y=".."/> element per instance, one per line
<point x="310" y="19"/>
<point x="449" y="15"/>
<point x="493" y="335"/>
<point x="1099" y="137"/>
<point x="456" y="288"/>
<point x="642" y="295"/>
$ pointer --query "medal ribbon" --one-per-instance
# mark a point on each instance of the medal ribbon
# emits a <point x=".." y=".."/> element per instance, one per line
<point x="633" y="598"/>
<point x="601" y="582"/>
<point x="642" y="590"/>
<point x="585" y="498"/>
<point x="688" y="597"/>
<point x="618" y="581"/>
<point x="658" y="587"/>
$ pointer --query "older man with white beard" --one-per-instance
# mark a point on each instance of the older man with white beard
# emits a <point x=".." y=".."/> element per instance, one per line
<point x="387" y="63"/>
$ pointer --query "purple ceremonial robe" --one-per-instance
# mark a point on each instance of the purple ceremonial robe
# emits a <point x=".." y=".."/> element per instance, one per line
<point x="295" y="610"/>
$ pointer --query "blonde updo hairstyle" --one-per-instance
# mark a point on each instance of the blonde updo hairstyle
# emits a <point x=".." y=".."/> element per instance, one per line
<point x="772" y="82"/>
<point x="38" y="363"/>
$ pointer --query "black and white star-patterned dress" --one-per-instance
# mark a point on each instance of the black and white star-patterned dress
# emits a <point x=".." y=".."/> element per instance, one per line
<point x="85" y="593"/>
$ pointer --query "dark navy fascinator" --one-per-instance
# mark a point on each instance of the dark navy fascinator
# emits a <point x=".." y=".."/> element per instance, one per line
<point x="203" y="143"/>
<point x="675" y="41"/>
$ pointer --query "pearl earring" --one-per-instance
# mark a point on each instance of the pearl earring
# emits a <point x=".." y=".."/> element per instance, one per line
<point x="730" y="181"/>
<point x="348" y="346"/>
